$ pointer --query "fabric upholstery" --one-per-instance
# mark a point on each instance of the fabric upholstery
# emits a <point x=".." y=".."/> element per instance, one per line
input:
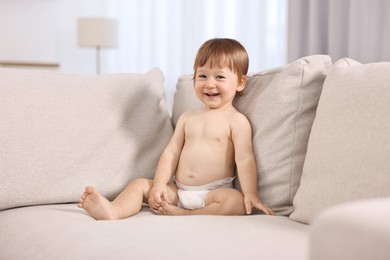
<point x="280" y="103"/>
<point x="66" y="232"/>
<point x="358" y="230"/>
<point x="349" y="147"/>
<point x="62" y="132"/>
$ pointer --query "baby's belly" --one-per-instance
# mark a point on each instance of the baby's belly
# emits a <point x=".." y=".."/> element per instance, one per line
<point x="198" y="168"/>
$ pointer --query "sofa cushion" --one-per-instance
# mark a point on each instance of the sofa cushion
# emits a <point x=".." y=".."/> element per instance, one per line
<point x="62" y="132"/>
<point x="349" y="147"/>
<point x="65" y="232"/>
<point x="280" y="103"/>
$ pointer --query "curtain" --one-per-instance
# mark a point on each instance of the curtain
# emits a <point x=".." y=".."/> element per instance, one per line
<point x="167" y="33"/>
<point x="358" y="29"/>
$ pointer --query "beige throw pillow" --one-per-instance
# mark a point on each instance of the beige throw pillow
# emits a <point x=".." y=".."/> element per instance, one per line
<point x="61" y="132"/>
<point x="349" y="147"/>
<point x="280" y="104"/>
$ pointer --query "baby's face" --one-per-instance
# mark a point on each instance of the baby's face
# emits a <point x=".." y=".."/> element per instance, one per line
<point x="216" y="87"/>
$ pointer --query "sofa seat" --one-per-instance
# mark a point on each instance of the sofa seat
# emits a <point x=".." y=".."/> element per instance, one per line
<point x="65" y="232"/>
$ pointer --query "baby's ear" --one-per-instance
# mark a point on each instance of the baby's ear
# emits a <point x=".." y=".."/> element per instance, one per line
<point x="241" y="83"/>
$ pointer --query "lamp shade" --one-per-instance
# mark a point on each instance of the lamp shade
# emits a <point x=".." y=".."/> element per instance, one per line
<point x="98" y="32"/>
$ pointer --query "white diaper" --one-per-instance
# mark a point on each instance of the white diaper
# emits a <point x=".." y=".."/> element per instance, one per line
<point x="193" y="197"/>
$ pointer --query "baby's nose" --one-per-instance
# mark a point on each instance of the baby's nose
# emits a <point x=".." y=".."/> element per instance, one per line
<point x="210" y="84"/>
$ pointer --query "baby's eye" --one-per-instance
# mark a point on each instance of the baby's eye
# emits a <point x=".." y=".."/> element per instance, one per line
<point x="220" y="77"/>
<point x="201" y="76"/>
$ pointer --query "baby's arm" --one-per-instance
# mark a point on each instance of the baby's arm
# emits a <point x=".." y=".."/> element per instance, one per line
<point x="246" y="164"/>
<point x="167" y="165"/>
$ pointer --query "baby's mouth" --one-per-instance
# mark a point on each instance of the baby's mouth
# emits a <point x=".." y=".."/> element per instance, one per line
<point x="212" y="94"/>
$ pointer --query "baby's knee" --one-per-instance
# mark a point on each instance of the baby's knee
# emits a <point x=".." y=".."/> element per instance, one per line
<point x="233" y="201"/>
<point x="236" y="197"/>
<point x="141" y="183"/>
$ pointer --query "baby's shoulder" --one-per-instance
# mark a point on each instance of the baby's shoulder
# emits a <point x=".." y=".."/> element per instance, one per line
<point x="187" y="115"/>
<point x="239" y="119"/>
<point x="238" y="116"/>
<point x="190" y="113"/>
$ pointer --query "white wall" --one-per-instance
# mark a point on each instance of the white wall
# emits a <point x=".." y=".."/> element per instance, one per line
<point x="45" y="31"/>
<point x="22" y="37"/>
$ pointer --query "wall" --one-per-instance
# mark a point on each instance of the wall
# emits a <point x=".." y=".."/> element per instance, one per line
<point x="152" y="33"/>
<point x="46" y="31"/>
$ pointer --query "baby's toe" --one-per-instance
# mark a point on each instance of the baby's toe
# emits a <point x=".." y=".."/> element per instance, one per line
<point x="161" y="211"/>
<point x="89" y="190"/>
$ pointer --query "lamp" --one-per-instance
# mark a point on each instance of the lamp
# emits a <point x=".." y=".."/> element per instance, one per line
<point x="97" y="32"/>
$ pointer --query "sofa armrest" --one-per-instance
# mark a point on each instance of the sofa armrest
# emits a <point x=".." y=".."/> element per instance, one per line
<point x="354" y="230"/>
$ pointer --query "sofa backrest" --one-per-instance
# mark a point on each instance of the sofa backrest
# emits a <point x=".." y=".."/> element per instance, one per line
<point x="59" y="133"/>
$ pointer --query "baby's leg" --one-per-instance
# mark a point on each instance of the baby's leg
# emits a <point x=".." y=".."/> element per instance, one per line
<point x="223" y="201"/>
<point x="128" y="202"/>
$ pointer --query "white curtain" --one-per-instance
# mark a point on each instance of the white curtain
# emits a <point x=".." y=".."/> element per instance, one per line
<point x="359" y="29"/>
<point x="167" y="33"/>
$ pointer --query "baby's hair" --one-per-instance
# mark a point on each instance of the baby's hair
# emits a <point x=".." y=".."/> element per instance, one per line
<point x="223" y="52"/>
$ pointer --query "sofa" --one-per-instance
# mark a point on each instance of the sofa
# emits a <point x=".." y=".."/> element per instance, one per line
<point x="321" y="136"/>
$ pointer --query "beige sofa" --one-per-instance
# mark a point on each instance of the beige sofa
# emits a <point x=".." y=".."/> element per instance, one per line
<point x="321" y="135"/>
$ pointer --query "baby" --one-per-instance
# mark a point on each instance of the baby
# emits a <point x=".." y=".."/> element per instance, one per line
<point x="206" y="147"/>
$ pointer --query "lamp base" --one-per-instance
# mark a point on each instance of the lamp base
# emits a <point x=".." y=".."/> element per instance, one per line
<point x="97" y="59"/>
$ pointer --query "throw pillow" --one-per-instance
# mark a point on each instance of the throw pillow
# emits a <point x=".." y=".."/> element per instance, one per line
<point x="280" y="104"/>
<point x="349" y="147"/>
<point x="62" y="132"/>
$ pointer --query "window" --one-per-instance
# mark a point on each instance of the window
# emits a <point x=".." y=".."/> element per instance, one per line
<point x="167" y="33"/>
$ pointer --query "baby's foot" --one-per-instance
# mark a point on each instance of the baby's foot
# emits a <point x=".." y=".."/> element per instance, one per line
<point x="96" y="205"/>
<point x="171" y="210"/>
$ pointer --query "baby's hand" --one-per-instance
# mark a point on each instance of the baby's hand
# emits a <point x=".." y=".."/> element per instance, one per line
<point x="253" y="201"/>
<point x="157" y="194"/>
